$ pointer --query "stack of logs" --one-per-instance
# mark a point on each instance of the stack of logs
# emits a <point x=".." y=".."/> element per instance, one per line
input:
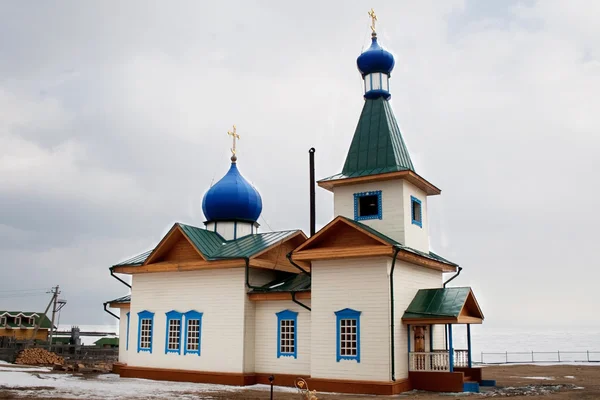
<point x="37" y="356"/>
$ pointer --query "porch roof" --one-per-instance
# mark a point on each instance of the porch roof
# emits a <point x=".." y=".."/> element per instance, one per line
<point x="443" y="306"/>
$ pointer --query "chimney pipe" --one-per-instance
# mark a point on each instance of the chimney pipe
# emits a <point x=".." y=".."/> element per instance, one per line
<point x="311" y="157"/>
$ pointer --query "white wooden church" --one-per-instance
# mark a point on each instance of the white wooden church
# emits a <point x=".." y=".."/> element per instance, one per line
<point x="359" y="307"/>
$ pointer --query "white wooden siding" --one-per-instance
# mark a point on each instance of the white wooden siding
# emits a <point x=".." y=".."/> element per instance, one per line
<point x="415" y="236"/>
<point x="267" y="341"/>
<point x="257" y="277"/>
<point x="230" y="229"/>
<point x="408" y="279"/>
<point x="123" y="335"/>
<point x="363" y="285"/>
<point x="392" y="222"/>
<point x="219" y="294"/>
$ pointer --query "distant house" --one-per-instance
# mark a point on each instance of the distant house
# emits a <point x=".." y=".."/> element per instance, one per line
<point x="107" y="342"/>
<point x="21" y="324"/>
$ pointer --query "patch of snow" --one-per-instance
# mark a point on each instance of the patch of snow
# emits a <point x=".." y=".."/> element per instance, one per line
<point x="542" y="378"/>
<point x="570" y="377"/>
<point x="110" y="386"/>
<point x="23" y="368"/>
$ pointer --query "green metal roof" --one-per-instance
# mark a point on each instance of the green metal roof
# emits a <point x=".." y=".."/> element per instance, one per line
<point x="292" y="283"/>
<point x="207" y="242"/>
<point x="214" y="247"/>
<point x="46" y="323"/>
<point x="124" y="299"/>
<point x="440" y="302"/>
<point x="137" y="260"/>
<point x="107" y="341"/>
<point x="377" y="146"/>
<point x="393" y="242"/>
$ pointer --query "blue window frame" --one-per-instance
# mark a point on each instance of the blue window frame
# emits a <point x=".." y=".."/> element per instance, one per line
<point x="145" y="331"/>
<point x="127" y="338"/>
<point x="193" y="332"/>
<point x="416" y="211"/>
<point x="348" y="334"/>
<point x="173" y="335"/>
<point x="367" y="205"/>
<point x="287" y="325"/>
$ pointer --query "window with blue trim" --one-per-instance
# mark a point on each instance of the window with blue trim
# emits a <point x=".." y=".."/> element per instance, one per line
<point x="287" y="323"/>
<point x="173" y="336"/>
<point x="348" y="334"/>
<point x="145" y="330"/>
<point x="127" y="338"/>
<point x="367" y="205"/>
<point x="416" y="211"/>
<point x="193" y="332"/>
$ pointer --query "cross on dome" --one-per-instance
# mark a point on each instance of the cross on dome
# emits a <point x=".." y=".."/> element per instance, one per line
<point x="235" y="136"/>
<point x="373" y="20"/>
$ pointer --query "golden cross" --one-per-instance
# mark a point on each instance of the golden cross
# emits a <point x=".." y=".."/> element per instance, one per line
<point x="373" y="19"/>
<point x="235" y="136"/>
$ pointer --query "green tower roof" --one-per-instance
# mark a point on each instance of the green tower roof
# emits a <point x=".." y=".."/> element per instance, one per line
<point x="377" y="146"/>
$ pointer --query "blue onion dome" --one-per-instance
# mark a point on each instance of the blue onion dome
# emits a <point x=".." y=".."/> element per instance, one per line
<point x="375" y="59"/>
<point x="232" y="199"/>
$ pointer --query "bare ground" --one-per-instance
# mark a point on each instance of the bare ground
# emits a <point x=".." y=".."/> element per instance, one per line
<point x="517" y="382"/>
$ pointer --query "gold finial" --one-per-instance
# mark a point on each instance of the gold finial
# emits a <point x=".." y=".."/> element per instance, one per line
<point x="235" y="136"/>
<point x="373" y="20"/>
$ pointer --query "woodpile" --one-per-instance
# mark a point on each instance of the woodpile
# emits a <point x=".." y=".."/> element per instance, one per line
<point x="36" y="356"/>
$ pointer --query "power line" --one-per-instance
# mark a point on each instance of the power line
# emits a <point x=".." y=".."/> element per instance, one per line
<point x="24" y="290"/>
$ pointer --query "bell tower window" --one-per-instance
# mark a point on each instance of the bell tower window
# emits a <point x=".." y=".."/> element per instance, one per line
<point x="367" y="205"/>
<point x="416" y="211"/>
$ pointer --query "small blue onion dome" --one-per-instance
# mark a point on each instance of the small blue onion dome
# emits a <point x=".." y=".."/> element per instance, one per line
<point x="232" y="199"/>
<point x="375" y="59"/>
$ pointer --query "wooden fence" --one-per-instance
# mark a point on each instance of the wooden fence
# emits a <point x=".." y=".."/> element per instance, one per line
<point x="528" y="357"/>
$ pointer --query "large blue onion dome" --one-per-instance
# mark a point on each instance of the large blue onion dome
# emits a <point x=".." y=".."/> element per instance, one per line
<point x="232" y="199"/>
<point x="375" y="59"/>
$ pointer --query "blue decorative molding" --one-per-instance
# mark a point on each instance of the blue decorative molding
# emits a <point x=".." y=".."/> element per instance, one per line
<point x="142" y="315"/>
<point x="127" y="338"/>
<point x="234" y="230"/>
<point x="347" y="314"/>
<point x="413" y="201"/>
<point x="192" y="315"/>
<point x="287" y="315"/>
<point x="172" y="316"/>
<point x="357" y="196"/>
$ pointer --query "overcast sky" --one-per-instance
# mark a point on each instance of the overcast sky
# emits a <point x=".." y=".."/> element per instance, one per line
<point x="113" y="121"/>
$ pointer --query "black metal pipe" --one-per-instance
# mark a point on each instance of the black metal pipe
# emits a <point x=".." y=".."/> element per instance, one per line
<point x="297" y="302"/>
<point x="248" y="276"/>
<point x="453" y="277"/>
<point x="112" y="273"/>
<point x="446" y="328"/>
<point x="392" y="313"/>
<point x="289" y="257"/>
<point x="110" y="312"/>
<point x="311" y="158"/>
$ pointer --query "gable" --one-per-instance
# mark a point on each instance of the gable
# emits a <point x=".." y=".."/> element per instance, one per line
<point x="181" y="250"/>
<point x="443" y="305"/>
<point x="170" y="246"/>
<point x="276" y="257"/>
<point x="343" y="235"/>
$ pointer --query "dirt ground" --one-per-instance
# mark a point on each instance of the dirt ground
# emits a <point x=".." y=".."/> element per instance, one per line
<point x="517" y="382"/>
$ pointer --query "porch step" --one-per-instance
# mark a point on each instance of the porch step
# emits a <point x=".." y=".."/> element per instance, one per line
<point x="471" y="387"/>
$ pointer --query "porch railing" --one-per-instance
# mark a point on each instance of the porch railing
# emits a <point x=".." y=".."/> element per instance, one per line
<point x="437" y="360"/>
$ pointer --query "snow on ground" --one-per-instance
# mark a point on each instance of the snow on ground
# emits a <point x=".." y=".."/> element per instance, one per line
<point x="44" y="383"/>
<point x="541" y="378"/>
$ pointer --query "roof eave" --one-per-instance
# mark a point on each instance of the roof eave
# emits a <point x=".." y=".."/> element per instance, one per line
<point x="411" y="176"/>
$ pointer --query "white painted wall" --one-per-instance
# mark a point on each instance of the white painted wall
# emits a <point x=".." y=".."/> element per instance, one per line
<point x="392" y="222"/>
<point x="219" y="294"/>
<point x="363" y="285"/>
<point x="267" y="341"/>
<point x="415" y="236"/>
<point x="232" y="230"/>
<point x="396" y="219"/>
<point x="123" y="335"/>
<point x="408" y="279"/>
<point x="257" y="277"/>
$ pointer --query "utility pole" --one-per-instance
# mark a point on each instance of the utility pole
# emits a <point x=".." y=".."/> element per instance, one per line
<point x="55" y="292"/>
<point x="39" y="323"/>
